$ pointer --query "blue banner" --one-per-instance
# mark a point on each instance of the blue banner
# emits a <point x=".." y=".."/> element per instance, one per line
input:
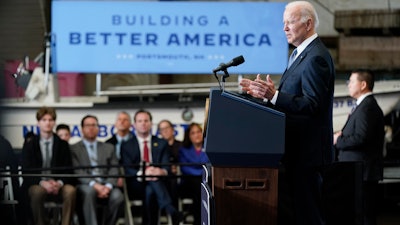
<point x="167" y="37"/>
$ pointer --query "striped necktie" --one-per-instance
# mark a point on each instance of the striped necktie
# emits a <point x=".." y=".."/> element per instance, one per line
<point x="292" y="58"/>
<point x="353" y="108"/>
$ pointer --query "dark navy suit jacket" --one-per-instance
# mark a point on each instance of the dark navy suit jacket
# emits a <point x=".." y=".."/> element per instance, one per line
<point x="131" y="158"/>
<point x="61" y="160"/>
<point x="130" y="154"/>
<point x="306" y="97"/>
<point x="363" y="137"/>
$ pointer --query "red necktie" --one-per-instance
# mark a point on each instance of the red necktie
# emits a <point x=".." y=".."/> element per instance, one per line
<point x="146" y="156"/>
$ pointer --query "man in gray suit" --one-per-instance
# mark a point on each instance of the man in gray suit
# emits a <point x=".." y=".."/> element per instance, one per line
<point x="362" y="138"/>
<point x="91" y="153"/>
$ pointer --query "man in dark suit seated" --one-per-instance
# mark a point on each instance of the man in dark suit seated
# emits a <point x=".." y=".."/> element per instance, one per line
<point x="46" y="151"/>
<point x="362" y="138"/>
<point x="123" y="125"/>
<point x="152" y="150"/>
<point x="91" y="153"/>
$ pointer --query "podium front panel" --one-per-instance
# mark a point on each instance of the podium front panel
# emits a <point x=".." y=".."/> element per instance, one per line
<point x="241" y="132"/>
<point x="245" y="195"/>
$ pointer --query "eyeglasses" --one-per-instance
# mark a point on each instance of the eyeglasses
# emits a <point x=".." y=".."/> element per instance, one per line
<point x="90" y="125"/>
<point x="164" y="128"/>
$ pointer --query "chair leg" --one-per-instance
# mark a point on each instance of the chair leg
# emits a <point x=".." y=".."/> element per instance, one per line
<point x="54" y="211"/>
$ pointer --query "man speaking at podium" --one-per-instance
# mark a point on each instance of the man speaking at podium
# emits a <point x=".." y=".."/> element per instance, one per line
<point x="305" y="95"/>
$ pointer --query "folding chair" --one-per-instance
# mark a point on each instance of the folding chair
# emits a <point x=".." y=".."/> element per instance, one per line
<point x="131" y="203"/>
<point x="7" y="196"/>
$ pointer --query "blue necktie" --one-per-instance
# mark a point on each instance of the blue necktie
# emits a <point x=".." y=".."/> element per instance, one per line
<point x="353" y="108"/>
<point x="292" y="57"/>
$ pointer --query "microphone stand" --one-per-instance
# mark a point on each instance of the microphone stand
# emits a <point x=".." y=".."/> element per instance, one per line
<point x="226" y="74"/>
<point x="219" y="83"/>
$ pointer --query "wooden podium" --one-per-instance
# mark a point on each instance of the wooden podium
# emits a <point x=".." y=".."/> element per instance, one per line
<point x="244" y="142"/>
<point x="245" y="195"/>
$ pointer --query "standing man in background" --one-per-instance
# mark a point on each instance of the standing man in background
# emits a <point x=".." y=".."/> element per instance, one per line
<point x="48" y="152"/>
<point x="305" y="95"/>
<point x="362" y="138"/>
<point x="92" y="153"/>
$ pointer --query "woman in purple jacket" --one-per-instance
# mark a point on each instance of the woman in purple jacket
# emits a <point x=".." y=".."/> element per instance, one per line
<point x="192" y="152"/>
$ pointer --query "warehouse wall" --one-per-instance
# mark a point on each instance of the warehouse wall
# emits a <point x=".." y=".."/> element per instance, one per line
<point x="23" y="24"/>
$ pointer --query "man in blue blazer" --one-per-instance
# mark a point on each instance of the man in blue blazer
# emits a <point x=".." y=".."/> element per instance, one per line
<point x="133" y="152"/>
<point x="122" y="125"/>
<point x="305" y="95"/>
<point x="362" y="138"/>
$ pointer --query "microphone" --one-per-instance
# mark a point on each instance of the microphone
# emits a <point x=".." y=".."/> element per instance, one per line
<point x="234" y="62"/>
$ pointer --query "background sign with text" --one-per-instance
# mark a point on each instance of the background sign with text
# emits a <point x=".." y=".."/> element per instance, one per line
<point x="167" y="37"/>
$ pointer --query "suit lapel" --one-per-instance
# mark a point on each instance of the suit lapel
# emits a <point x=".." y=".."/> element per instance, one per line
<point x="354" y="113"/>
<point x="100" y="155"/>
<point x="347" y="121"/>
<point x="289" y="71"/>
<point x="85" y="155"/>
<point x="53" y="152"/>
<point x="136" y="150"/>
<point x="156" y="150"/>
<point x="296" y="62"/>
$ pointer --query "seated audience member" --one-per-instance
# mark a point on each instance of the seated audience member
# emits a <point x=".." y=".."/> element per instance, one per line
<point x="167" y="132"/>
<point x="63" y="131"/>
<point x="8" y="159"/>
<point x="89" y="152"/>
<point x="152" y="150"/>
<point x="7" y="155"/>
<point x="123" y="125"/>
<point x="192" y="152"/>
<point x="49" y="152"/>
